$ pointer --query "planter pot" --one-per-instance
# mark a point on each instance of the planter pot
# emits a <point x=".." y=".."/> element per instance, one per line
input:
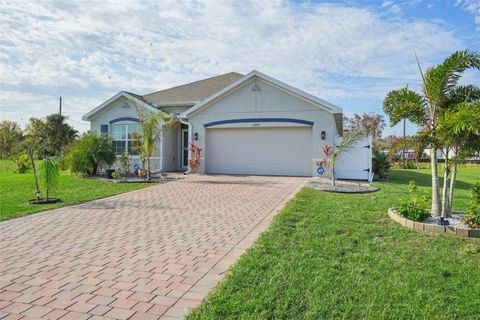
<point x="44" y="201"/>
<point x="109" y="173"/>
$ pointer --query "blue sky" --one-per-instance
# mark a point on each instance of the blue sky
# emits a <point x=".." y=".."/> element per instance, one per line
<point x="350" y="53"/>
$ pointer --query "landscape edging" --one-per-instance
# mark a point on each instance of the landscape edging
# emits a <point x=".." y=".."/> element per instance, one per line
<point x="432" y="228"/>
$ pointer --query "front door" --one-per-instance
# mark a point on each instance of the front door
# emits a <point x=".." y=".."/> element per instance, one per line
<point x="184" y="148"/>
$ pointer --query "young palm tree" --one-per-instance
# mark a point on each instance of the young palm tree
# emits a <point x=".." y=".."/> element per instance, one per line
<point x="49" y="175"/>
<point x="151" y="126"/>
<point x="439" y="90"/>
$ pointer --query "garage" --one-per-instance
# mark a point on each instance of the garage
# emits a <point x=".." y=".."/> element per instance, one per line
<point x="284" y="151"/>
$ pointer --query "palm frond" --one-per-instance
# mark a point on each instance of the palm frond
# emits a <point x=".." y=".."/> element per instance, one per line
<point x="463" y="119"/>
<point x="404" y="104"/>
<point x="443" y="78"/>
<point x="464" y="93"/>
<point x="349" y="141"/>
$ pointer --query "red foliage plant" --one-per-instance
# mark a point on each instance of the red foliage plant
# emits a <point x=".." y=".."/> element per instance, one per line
<point x="328" y="150"/>
<point x="194" y="162"/>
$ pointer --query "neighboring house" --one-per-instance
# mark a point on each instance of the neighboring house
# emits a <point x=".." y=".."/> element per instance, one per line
<point x="245" y="124"/>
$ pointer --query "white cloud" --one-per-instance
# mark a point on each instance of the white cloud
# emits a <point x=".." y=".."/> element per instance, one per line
<point x="472" y="6"/>
<point x="90" y="50"/>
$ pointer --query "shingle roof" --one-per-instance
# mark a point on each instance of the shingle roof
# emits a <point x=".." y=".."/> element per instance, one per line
<point x="191" y="92"/>
<point x="139" y="97"/>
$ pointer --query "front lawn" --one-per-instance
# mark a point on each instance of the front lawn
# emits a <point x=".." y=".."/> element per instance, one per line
<point x="334" y="256"/>
<point x="17" y="189"/>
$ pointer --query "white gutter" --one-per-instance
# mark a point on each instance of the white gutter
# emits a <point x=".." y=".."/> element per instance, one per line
<point x="182" y="121"/>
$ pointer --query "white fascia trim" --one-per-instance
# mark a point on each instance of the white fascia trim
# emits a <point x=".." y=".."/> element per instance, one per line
<point x="317" y="101"/>
<point x="89" y="115"/>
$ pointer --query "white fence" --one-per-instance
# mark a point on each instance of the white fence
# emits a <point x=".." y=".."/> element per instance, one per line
<point x="357" y="163"/>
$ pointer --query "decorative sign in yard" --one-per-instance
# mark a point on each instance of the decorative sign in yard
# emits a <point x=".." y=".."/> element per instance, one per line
<point x="136" y="167"/>
<point x="322" y="166"/>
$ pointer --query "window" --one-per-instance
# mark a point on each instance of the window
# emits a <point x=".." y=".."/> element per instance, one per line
<point x="125" y="137"/>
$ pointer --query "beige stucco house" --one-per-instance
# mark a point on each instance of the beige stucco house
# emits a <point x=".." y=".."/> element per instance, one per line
<point x="245" y="124"/>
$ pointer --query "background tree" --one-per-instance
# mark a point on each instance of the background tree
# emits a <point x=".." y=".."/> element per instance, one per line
<point x="371" y="123"/>
<point x="10" y="139"/>
<point x="50" y="136"/>
<point x="439" y="86"/>
<point x="417" y="142"/>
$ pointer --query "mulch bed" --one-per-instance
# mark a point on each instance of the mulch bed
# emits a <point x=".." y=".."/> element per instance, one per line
<point x="341" y="186"/>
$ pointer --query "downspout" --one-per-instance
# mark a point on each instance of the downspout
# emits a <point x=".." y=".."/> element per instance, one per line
<point x="162" y="141"/>
<point x="183" y="121"/>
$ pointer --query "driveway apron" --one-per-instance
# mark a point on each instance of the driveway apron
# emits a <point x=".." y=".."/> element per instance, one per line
<point x="147" y="254"/>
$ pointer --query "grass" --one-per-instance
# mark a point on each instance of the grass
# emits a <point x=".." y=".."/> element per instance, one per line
<point x="334" y="256"/>
<point x="16" y="189"/>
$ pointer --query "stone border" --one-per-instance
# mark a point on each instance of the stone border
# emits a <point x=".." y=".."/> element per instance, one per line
<point x="432" y="228"/>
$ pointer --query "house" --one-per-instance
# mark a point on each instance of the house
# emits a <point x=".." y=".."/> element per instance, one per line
<point x="245" y="124"/>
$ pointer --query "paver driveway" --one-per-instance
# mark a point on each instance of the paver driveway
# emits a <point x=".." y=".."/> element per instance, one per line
<point x="146" y="254"/>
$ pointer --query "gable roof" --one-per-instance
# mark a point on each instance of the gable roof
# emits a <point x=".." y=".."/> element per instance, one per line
<point x="128" y="95"/>
<point x="256" y="74"/>
<point x="191" y="93"/>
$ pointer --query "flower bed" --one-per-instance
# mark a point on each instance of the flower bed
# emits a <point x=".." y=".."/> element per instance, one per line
<point x="433" y="228"/>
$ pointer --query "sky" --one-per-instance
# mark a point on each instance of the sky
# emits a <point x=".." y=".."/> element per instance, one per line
<point x="350" y="53"/>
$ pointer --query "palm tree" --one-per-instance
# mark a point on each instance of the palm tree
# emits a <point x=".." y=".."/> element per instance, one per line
<point x="439" y="90"/>
<point x="460" y="126"/>
<point x="49" y="176"/>
<point x="151" y="126"/>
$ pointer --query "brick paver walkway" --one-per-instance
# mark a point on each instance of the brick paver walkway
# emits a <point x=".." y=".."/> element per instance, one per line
<point x="148" y="254"/>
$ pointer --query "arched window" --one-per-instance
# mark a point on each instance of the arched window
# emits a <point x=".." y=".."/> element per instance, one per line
<point x="126" y="137"/>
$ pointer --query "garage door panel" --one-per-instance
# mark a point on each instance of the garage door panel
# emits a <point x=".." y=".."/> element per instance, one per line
<point x="264" y="151"/>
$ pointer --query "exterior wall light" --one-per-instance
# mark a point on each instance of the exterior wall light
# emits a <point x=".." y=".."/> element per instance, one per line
<point x="322" y="135"/>
<point x="195" y="136"/>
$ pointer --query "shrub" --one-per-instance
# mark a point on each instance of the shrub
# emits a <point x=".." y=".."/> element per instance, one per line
<point x="475" y="194"/>
<point x="48" y="175"/>
<point x="471" y="218"/>
<point x="90" y="153"/>
<point x="410" y="164"/>
<point x="417" y="207"/>
<point x="23" y="163"/>
<point x="116" y="175"/>
<point x="380" y="163"/>
<point x="124" y="162"/>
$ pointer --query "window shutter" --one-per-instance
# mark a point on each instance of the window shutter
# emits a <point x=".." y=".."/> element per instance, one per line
<point x="104" y="128"/>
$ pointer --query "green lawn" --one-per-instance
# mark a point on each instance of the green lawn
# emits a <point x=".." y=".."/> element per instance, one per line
<point x="16" y="189"/>
<point x="334" y="256"/>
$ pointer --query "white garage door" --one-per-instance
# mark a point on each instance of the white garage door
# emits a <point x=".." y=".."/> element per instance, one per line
<point x="263" y="151"/>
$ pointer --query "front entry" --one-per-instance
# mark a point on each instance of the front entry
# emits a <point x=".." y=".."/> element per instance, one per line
<point x="184" y="148"/>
